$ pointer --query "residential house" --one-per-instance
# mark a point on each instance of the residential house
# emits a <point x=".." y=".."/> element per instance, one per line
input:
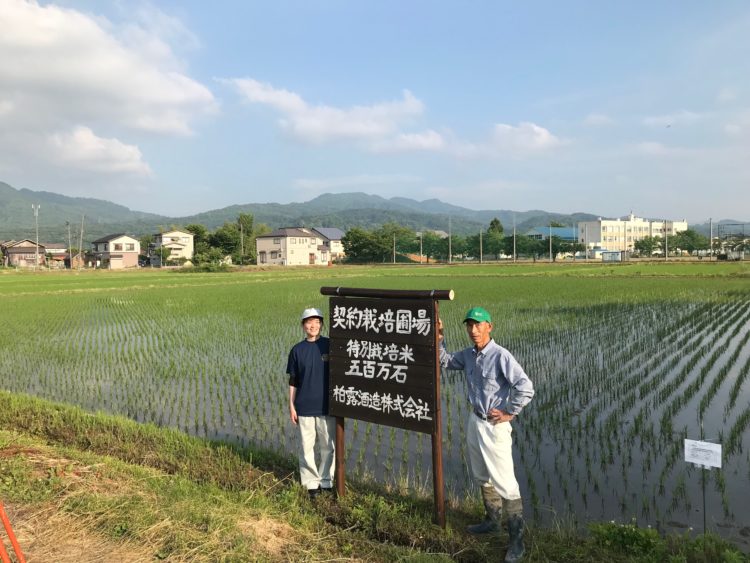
<point x="23" y="254"/>
<point x="179" y="243"/>
<point x="297" y="246"/>
<point x="57" y="254"/>
<point x="332" y="241"/>
<point x="115" y="252"/>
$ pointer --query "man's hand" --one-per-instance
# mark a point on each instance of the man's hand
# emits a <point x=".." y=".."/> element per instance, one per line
<point x="293" y="414"/>
<point x="496" y="415"/>
<point x="440" y="329"/>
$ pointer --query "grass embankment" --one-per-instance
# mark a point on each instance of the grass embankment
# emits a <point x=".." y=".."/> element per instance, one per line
<point x="85" y="487"/>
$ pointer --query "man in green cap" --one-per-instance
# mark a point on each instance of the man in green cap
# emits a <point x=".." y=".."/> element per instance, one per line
<point x="498" y="390"/>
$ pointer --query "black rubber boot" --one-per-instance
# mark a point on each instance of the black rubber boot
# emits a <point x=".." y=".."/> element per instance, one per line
<point x="515" y="545"/>
<point x="493" y="512"/>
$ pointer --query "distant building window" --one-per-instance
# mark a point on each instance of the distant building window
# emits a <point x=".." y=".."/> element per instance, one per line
<point x="130" y="246"/>
<point x="292" y="241"/>
<point x="277" y="241"/>
<point x="118" y="247"/>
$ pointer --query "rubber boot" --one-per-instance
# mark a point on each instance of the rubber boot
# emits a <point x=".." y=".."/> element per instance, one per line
<point x="514" y="509"/>
<point x="493" y="512"/>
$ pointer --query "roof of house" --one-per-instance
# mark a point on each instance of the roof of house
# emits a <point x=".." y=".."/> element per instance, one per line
<point x="568" y="233"/>
<point x="23" y="249"/>
<point x="289" y="232"/>
<point x="110" y="237"/>
<point x="330" y="233"/>
<point x="186" y="233"/>
<point x="20" y="243"/>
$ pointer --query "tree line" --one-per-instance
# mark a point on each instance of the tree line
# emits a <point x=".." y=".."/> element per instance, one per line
<point x="688" y="241"/>
<point x="393" y="242"/>
<point x="234" y="238"/>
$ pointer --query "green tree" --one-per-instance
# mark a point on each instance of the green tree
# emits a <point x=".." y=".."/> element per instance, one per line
<point x="226" y="238"/>
<point x="525" y="246"/>
<point x="361" y="245"/>
<point x="201" y="244"/>
<point x="405" y="238"/>
<point x="433" y="246"/>
<point x="495" y="226"/>
<point x="163" y="253"/>
<point x="647" y="245"/>
<point x="689" y="241"/>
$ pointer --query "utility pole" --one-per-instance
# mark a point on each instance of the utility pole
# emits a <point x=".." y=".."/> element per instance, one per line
<point x="242" y="244"/>
<point x="80" y="244"/>
<point x="70" y="247"/>
<point x="710" y="238"/>
<point x="420" y="247"/>
<point x="480" y="246"/>
<point x="514" y="237"/>
<point x="394" y="248"/>
<point x="450" y="236"/>
<point x="35" y="209"/>
<point x="550" y="242"/>
<point x="586" y="239"/>
<point x="666" y="242"/>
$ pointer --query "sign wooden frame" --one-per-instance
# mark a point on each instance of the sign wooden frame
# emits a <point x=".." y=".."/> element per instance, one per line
<point x="385" y="367"/>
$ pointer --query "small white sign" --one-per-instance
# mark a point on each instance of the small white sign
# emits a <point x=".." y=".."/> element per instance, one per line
<point x="703" y="453"/>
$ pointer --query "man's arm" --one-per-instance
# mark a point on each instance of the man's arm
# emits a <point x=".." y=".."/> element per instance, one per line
<point x="521" y="388"/>
<point x="292" y="410"/>
<point x="448" y="360"/>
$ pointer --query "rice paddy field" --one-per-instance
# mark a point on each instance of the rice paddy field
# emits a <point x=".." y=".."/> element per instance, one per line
<point x="627" y="360"/>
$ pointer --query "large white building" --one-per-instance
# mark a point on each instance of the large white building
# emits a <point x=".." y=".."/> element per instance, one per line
<point x="622" y="233"/>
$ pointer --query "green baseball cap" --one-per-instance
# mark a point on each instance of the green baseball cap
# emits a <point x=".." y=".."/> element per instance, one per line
<point x="478" y="314"/>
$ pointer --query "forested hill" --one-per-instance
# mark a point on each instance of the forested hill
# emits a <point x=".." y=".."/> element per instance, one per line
<point x="329" y="210"/>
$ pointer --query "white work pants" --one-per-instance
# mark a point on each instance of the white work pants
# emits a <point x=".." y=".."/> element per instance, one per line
<point x="320" y="429"/>
<point x="491" y="457"/>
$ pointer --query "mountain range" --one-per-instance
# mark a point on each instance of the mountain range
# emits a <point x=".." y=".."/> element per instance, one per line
<point x="58" y="213"/>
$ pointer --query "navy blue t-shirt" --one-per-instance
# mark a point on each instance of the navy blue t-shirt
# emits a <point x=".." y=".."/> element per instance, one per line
<point x="308" y="372"/>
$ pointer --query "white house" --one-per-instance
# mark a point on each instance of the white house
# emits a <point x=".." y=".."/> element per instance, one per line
<point x="297" y="246"/>
<point x="622" y="233"/>
<point x="332" y="241"/>
<point x="116" y="251"/>
<point x="179" y="243"/>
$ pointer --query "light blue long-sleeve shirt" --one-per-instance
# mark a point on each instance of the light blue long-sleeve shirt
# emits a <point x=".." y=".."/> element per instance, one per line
<point x="495" y="379"/>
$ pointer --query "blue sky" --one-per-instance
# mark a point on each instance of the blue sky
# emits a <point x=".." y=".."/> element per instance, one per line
<point x="180" y="107"/>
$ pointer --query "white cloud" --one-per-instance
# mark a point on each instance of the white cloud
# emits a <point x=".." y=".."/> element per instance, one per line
<point x="597" y="120"/>
<point x="668" y="120"/>
<point x="406" y="142"/>
<point x="656" y="149"/>
<point x="322" y="123"/>
<point x="62" y="65"/>
<point x="65" y="74"/>
<point x="83" y="150"/>
<point x="525" y="138"/>
<point x="379" y="127"/>
<point x="726" y="95"/>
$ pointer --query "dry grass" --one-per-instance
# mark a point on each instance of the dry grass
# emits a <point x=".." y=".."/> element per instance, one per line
<point x="47" y="534"/>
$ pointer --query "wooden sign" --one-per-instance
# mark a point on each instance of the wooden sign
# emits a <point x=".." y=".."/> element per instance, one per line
<point x="384" y="367"/>
<point x="383" y="361"/>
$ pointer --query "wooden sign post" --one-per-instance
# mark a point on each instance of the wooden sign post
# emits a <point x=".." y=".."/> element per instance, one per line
<point x="385" y="369"/>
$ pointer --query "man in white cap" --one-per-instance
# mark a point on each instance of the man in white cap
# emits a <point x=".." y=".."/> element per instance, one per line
<point x="307" y="368"/>
<point x="498" y="389"/>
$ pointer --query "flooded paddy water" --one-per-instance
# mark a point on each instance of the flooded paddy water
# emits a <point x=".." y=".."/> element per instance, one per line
<point x="620" y="383"/>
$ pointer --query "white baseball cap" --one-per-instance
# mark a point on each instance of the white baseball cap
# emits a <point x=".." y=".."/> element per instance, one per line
<point x="311" y="312"/>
